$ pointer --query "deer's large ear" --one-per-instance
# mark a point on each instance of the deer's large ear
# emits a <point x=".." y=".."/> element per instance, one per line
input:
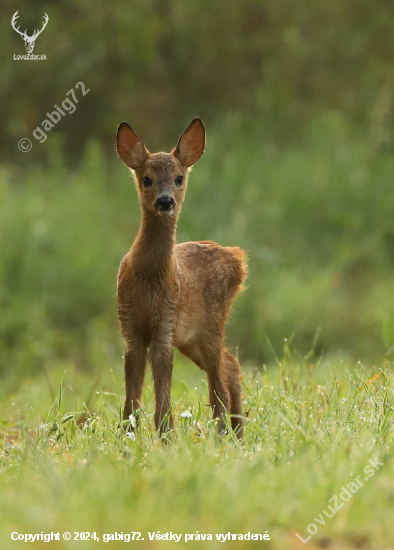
<point x="130" y="148"/>
<point x="191" y="144"/>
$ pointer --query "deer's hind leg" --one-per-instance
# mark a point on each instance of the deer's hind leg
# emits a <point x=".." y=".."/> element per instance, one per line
<point x="234" y="386"/>
<point x="210" y="358"/>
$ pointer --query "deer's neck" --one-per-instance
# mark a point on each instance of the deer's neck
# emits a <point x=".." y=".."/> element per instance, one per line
<point x="153" y="249"/>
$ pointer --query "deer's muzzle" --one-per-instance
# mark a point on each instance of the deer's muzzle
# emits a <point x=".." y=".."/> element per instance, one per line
<point x="165" y="203"/>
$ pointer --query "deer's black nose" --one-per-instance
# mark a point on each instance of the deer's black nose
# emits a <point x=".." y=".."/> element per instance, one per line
<point x="164" y="202"/>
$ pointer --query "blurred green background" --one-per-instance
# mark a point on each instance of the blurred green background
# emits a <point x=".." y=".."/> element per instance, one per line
<point x="298" y="101"/>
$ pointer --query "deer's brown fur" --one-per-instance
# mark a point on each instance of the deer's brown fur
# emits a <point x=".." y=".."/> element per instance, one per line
<point x="175" y="295"/>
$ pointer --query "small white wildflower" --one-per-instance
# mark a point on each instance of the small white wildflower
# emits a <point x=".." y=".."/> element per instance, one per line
<point x="186" y="414"/>
<point x="132" y="420"/>
<point x="131" y="435"/>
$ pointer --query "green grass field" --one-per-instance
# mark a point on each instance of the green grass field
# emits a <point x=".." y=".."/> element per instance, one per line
<point x="67" y="465"/>
<point x="314" y="332"/>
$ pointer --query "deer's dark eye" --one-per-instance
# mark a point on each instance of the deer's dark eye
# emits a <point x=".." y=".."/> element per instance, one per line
<point x="147" y="181"/>
<point x="179" y="181"/>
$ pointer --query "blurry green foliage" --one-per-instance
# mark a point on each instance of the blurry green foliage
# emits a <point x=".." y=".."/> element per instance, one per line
<point x="159" y="63"/>
<point x="298" y="101"/>
<point x="316" y="221"/>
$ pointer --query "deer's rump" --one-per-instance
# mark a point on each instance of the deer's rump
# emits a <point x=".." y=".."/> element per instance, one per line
<point x="210" y="276"/>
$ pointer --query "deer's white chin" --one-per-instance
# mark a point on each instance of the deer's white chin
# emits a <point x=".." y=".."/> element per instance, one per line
<point x="165" y="212"/>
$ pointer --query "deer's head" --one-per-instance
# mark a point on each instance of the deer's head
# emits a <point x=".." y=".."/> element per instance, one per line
<point x="161" y="177"/>
<point x="29" y="40"/>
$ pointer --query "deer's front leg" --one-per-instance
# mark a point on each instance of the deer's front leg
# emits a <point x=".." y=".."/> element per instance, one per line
<point x="161" y="356"/>
<point x="134" y="369"/>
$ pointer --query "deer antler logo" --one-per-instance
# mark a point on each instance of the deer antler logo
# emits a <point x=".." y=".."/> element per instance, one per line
<point x="29" y="40"/>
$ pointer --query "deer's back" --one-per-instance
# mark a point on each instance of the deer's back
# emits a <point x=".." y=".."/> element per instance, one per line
<point x="216" y="270"/>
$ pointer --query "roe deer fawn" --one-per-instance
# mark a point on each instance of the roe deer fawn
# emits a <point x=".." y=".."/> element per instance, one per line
<point x="175" y="295"/>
